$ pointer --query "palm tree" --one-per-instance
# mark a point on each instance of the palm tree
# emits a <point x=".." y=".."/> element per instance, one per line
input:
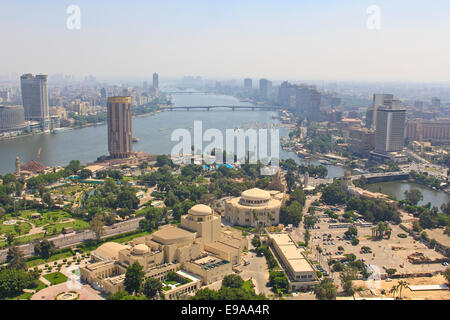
<point x="402" y="284"/>
<point x="394" y="290"/>
<point x="388" y="231"/>
<point x="381" y="229"/>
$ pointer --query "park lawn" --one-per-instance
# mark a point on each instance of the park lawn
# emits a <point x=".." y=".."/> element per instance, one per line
<point x="248" y="285"/>
<point x="131" y="237"/>
<point x="52" y="217"/>
<point x="28" y="295"/>
<point x="24" y="228"/>
<point x="47" y="217"/>
<point x="143" y="211"/>
<point x="56" y="278"/>
<point x="70" y="190"/>
<point x="57" y="228"/>
<point x="57" y="256"/>
<point x="40" y="286"/>
<point x="22" y="296"/>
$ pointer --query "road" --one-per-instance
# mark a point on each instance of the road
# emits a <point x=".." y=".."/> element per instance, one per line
<point x="257" y="271"/>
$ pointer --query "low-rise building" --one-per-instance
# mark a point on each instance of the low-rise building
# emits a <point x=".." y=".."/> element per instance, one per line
<point x="299" y="270"/>
<point x="199" y="247"/>
<point x="255" y="207"/>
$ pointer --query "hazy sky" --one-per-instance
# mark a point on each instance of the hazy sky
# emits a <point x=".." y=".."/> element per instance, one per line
<point x="305" y="39"/>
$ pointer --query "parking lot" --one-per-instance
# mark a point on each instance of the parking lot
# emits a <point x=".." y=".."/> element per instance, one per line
<point x="386" y="253"/>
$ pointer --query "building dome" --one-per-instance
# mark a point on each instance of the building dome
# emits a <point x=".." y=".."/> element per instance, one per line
<point x="141" y="249"/>
<point x="200" y="210"/>
<point x="255" y="194"/>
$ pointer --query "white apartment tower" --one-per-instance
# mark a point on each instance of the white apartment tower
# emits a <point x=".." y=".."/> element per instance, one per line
<point x="390" y="130"/>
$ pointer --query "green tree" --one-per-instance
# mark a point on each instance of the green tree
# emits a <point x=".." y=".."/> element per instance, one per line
<point x="291" y="214"/>
<point x="290" y="181"/>
<point x="325" y="290"/>
<point x="133" y="278"/>
<point x="351" y="232"/>
<point x="13" y="281"/>
<point x="446" y="275"/>
<point x="122" y="295"/>
<point x="151" y="287"/>
<point x="85" y="174"/>
<point x="47" y="199"/>
<point x="310" y="221"/>
<point x="402" y="284"/>
<point x="97" y="225"/>
<point x="232" y="281"/>
<point x="44" y="248"/>
<point x="279" y="281"/>
<point x="334" y="194"/>
<point x="347" y="276"/>
<point x="299" y="196"/>
<point x="414" y="196"/>
<point x="15" y="259"/>
<point x="307" y="237"/>
<point x="10" y="238"/>
<point x="256" y="242"/>
<point x="205" y="294"/>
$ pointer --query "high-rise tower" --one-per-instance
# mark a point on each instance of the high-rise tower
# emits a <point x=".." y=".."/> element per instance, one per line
<point x="390" y="132"/>
<point x="155" y="81"/>
<point x="35" y="99"/>
<point x="119" y="127"/>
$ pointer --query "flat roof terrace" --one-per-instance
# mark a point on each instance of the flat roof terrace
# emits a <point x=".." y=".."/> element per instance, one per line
<point x="291" y="253"/>
<point x="209" y="262"/>
<point x="282" y="239"/>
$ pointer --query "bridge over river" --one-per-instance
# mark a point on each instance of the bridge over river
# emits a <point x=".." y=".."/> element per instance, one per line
<point x="383" y="176"/>
<point x="233" y="108"/>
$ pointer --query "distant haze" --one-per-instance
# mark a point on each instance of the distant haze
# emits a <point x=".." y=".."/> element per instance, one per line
<point x="234" y="38"/>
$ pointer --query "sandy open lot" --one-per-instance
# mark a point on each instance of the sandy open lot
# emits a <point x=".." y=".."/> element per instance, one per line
<point x="406" y="293"/>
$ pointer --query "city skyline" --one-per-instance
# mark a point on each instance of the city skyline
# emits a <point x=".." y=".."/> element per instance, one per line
<point x="282" y="40"/>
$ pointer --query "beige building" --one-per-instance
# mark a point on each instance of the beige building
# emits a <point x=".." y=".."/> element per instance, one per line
<point x="202" y="221"/>
<point x="199" y="248"/>
<point x="361" y="140"/>
<point x="299" y="270"/>
<point x="255" y="207"/>
<point x="428" y="130"/>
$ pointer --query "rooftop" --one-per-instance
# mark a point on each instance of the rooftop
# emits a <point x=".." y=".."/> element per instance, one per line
<point x="200" y="210"/>
<point x="109" y="250"/>
<point x="171" y="233"/>
<point x="255" y="194"/>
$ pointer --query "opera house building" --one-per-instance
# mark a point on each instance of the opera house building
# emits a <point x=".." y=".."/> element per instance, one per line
<point x="255" y="207"/>
<point x="200" y="251"/>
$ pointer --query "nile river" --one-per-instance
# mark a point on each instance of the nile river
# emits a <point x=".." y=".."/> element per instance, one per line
<point x="87" y="144"/>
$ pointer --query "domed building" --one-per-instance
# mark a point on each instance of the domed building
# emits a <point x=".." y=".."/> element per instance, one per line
<point x="199" y="247"/>
<point x="140" y="249"/>
<point x="201" y="219"/>
<point x="255" y="207"/>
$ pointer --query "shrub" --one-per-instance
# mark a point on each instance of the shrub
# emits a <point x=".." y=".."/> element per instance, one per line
<point x="402" y="235"/>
